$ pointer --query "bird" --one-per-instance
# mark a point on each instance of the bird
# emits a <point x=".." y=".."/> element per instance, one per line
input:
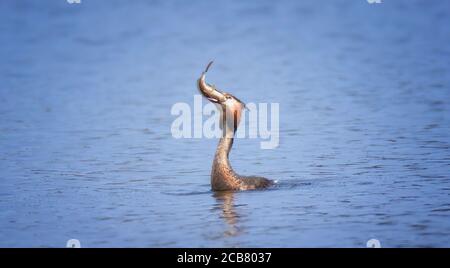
<point x="223" y="177"/>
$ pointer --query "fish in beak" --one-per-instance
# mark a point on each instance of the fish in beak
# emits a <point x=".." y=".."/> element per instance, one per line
<point x="209" y="91"/>
<point x="230" y="106"/>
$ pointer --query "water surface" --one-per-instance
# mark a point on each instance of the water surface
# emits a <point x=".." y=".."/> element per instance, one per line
<point x="86" y="150"/>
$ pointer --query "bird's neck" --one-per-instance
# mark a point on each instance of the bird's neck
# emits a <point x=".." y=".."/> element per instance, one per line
<point x="223" y="176"/>
<point x="223" y="150"/>
<point x="224" y="146"/>
<point x="222" y="170"/>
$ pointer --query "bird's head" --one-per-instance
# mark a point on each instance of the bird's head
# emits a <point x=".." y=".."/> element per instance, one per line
<point x="229" y="106"/>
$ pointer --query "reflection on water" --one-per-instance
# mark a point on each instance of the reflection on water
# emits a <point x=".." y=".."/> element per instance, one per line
<point x="86" y="150"/>
<point x="229" y="214"/>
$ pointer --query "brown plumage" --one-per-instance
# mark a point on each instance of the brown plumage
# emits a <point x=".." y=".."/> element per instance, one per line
<point x="223" y="177"/>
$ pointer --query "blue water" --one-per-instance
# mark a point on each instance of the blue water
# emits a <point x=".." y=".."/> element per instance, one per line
<point x="86" y="150"/>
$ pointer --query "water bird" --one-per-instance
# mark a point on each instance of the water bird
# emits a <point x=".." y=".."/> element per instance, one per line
<point x="223" y="177"/>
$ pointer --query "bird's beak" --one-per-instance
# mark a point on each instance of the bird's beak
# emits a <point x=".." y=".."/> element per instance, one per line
<point x="210" y="92"/>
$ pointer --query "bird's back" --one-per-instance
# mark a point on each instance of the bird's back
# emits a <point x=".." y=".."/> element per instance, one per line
<point x="254" y="182"/>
